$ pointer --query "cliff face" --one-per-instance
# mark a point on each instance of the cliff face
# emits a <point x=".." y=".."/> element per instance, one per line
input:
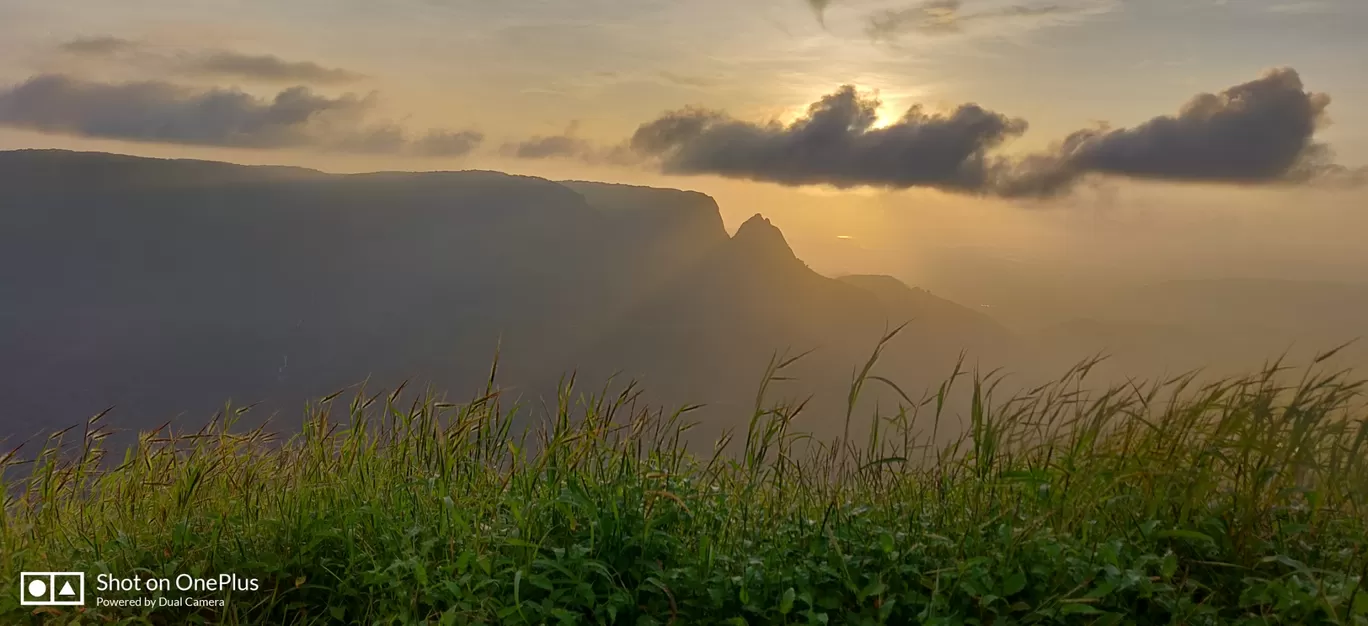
<point x="655" y="215"/>
<point x="651" y="234"/>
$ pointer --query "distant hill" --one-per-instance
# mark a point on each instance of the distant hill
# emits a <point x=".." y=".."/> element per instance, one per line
<point x="166" y="287"/>
<point x="931" y="311"/>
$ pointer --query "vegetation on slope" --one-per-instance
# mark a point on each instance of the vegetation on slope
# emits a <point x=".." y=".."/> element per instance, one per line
<point x="1239" y="502"/>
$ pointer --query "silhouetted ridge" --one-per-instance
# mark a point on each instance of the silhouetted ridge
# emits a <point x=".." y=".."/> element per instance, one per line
<point x="758" y="237"/>
<point x="166" y="287"/>
<point x="656" y="214"/>
<point x="882" y="284"/>
<point x="24" y="169"/>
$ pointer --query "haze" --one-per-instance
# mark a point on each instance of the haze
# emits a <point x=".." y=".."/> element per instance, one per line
<point x="1055" y="167"/>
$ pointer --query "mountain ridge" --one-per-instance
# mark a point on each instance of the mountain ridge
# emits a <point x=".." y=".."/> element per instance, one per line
<point x="168" y="296"/>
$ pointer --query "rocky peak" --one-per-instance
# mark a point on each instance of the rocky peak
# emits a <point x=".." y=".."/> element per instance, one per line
<point x="759" y="236"/>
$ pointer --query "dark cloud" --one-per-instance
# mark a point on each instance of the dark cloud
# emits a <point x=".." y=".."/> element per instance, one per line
<point x="156" y="111"/>
<point x="266" y="68"/>
<point x="102" y="45"/>
<point x="940" y="17"/>
<point x="836" y="143"/>
<point x="159" y="111"/>
<point x="1257" y="132"/>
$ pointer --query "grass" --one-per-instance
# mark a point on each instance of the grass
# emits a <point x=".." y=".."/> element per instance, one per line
<point x="1236" y="502"/>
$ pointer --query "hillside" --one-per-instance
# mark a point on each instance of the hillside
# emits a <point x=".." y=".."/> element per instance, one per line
<point x="167" y="287"/>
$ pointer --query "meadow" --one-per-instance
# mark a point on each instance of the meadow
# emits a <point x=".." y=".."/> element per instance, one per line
<point x="1240" y="501"/>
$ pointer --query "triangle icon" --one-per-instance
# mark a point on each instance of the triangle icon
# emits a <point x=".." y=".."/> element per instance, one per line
<point x="66" y="590"/>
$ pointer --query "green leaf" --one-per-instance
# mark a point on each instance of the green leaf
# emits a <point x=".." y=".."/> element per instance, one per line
<point x="873" y="589"/>
<point x="541" y="581"/>
<point x="1360" y="603"/>
<point x="786" y="601"/>
<point x="1101" y="591"/>
<point x="886" y="609"/>
<point x="1169" y="566"/>
<point x="1285" y="560"/>
<point x="1190" y="535"/>
<point x="1014" y="584"/>
<point x="1078" y="609"/>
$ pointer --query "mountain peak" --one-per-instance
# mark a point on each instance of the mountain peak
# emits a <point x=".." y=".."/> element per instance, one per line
<point x="755" y="221"/>
<point x="758" y="234"/>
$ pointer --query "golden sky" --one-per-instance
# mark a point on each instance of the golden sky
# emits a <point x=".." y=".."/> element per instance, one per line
<point x="562" y="88"/>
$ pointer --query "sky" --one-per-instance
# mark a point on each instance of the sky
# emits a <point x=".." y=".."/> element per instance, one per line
<point x="1193" y="136"/>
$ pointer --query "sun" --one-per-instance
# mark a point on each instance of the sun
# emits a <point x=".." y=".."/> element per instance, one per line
<point x="887" y="116"/>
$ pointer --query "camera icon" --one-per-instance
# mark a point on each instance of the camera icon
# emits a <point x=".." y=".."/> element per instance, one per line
<point x="52" y="588"/>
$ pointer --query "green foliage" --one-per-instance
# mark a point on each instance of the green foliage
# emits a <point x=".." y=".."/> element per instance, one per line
<point x="1237" y="502"/>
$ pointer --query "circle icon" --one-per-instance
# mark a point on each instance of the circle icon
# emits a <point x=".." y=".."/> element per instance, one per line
<point x="37" y="588"/>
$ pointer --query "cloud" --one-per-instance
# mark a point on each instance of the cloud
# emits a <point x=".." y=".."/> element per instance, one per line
<point x="819" y="7"/>
<point x="943" y="17"/>
<point x="159" y="111"/>
<point x="835" y="143"/>
<point x="686" y="80"/>
<point x="379" y="139"/>
<point x="265" y="68"/>
<point x="156" y="111"/>
<point x="444" y="143"/>
<point x="209" y="63"/>
<point x="552" y="146"/>
<point x="549" y="146"/>
<point x="934" y="16"/>
<point x="103" y="45"/>
<point x="1258" y="132"/>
